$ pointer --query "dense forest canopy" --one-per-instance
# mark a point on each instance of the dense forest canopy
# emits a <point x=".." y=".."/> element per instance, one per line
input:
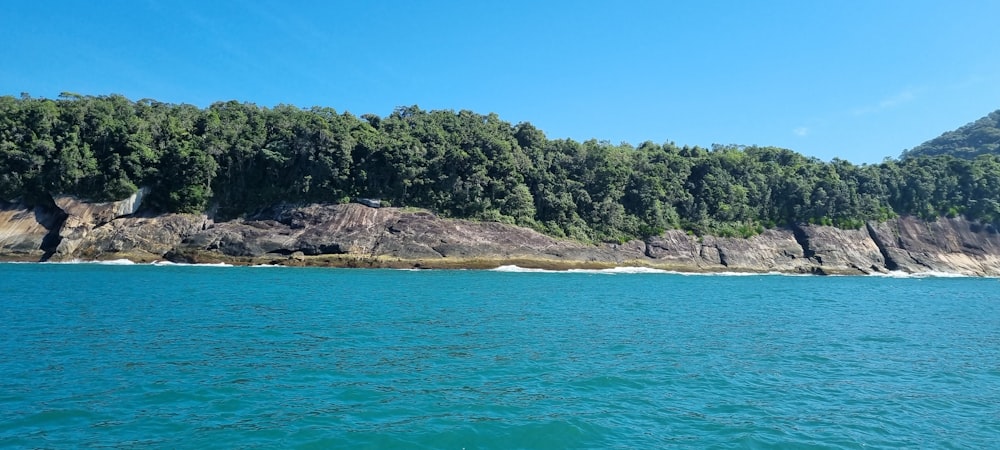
<point x="233" y="159"/>
<point x="969" y="141"/>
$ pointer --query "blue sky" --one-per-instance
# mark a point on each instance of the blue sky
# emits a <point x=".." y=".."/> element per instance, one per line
<point x="858" y="80"/>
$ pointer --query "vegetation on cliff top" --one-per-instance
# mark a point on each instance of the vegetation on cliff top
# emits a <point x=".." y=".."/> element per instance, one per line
<point x="236" y="158"/>
<point x="969" y="141"/>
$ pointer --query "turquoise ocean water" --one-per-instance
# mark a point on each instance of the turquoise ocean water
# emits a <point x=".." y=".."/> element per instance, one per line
<point x="106" y="356"/>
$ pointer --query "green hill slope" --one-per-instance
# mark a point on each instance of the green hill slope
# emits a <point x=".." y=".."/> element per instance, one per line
<point x="969" y="141"/>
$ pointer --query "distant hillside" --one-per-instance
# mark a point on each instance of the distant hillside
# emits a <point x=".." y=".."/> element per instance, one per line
<point x="969" y="141"/>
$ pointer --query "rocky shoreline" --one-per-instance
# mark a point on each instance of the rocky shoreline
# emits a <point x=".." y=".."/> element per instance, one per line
<point x="354" y="235"/>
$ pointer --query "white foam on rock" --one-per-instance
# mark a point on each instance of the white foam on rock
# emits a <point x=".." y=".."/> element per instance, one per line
<point x="126" y="262"/>
<point x="519" y="269"/>
<point x="112" y="262"/>
<point x="928" y="274"/>
<point x="624" y="270"/>
<point x="646" y="270"/>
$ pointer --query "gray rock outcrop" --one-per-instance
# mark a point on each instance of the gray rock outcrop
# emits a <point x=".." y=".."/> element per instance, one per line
<point x="347" y="233"/>
<point x="82" y="217"/>
<point x="946" y="245"/>
<point x="839" y="251"/>
<point x="28" y="233"/>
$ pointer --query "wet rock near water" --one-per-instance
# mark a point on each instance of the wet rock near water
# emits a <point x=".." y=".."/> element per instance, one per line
<point x="358" y="235"/>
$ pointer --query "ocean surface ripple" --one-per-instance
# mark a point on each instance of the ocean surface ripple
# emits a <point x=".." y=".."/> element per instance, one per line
<point x="124" y="356"/>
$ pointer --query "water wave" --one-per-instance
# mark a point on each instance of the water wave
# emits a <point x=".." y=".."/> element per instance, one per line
<point x="170" y="263"/>
<point x="176" y="358"/>
<point x="176" y="264"/>
<point x="744" y="274"/>
<point x="642" y="270"/>
<point x="928" y="274"/>
<point x="617" y="270"/>
<point x="519" y="269"/>
<point x="127" y="262"/>
<point x="110" y="262"/>
<point x="610" y="271"/>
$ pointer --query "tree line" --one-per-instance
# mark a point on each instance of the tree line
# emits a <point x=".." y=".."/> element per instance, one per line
<point x="968" y="141"/>
<point x="234" y="159"/>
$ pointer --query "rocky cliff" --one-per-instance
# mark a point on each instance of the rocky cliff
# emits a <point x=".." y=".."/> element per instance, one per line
<point x="28" y="234"/>
<point x="359" y="236"/>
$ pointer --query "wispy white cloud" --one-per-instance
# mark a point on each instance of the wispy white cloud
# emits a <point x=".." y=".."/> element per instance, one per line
<point x="801" y="131"/>
<point x="897" y="99"/>
<point x="905" y="96"/>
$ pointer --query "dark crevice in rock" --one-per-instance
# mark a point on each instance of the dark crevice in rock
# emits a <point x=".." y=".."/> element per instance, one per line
<point x="920" y="261"/>
<point x="49" y="245"/>
<point x="50" y="216"/>
<point x="179" y="256"/>
<point x="441" y="252"/>
<point x="331" y="249"/>
<point x="316" y="250"/>
<point x="722" y="256"/>
<point x="860" y="270"/>
<point x="978" y="227"/>
<point x="803" y="240"/>
<point x="647" y="250"/>
<point x="386" y="230"/>
<point x="890" y="263"/>
<point x="711" y="259"/>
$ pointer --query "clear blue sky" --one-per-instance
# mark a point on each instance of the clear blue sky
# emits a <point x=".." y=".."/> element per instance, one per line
<point x="858" y="80"/>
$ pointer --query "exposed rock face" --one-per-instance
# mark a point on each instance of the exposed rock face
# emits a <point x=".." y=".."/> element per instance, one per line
<point x="676" y="247"/>
<point x="823" y="250"/>
<point x="141" y="239"/>
<point x="28" y="233"/>
<point x="360" y="230"/>
<point x="945" y="245"/>
<point x="838" y="251"/>
<point x="71" y="229"/>
<point x="771" y="251"/>
<point x="82" y="217"/>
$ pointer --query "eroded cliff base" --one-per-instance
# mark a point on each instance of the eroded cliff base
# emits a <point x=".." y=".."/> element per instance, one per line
<point x="354" y="235"/>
